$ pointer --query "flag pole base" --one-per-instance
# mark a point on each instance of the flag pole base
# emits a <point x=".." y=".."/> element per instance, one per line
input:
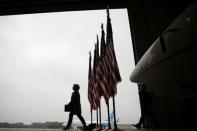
<point x="97" y="129"/>
<point x="108" y="129"/>
<point x="115" y="129"/>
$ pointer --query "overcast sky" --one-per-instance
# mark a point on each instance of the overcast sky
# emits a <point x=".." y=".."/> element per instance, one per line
<point x="42" y="55"/>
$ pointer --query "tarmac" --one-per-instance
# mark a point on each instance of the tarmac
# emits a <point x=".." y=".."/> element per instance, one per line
<point x="129" y="127"/>
<point x="166" y="129"/>
<point x="121" y="127"/>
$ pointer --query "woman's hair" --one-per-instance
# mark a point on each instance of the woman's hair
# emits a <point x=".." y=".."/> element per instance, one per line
<point x="76" y="87"/>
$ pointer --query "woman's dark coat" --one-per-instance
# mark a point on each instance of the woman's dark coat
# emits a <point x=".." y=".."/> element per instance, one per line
<point x="75" y="103"/>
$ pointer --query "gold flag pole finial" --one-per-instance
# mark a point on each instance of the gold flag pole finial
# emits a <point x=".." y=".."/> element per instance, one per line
<point x="102" y="26"/>
<point x="97" y="38"/>
<point x="107" y="11"/>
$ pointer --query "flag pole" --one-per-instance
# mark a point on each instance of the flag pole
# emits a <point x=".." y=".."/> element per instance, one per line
<point x="91" y="114"/>
<point x="100" y="114"/>
<point x="97" y="118"/>
<point x="109" y="124"/>
<point x="115" y="124"/>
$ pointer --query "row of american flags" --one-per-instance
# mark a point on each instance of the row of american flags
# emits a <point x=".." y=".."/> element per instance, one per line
<point x="103" y="74"/>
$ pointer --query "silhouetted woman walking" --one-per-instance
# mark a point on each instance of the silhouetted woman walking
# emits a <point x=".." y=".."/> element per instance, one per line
<point x="75" y="107"/>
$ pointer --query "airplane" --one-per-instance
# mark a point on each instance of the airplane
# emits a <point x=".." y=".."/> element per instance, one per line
<point x="76" y="124"/>
<point x="168" y="67"/>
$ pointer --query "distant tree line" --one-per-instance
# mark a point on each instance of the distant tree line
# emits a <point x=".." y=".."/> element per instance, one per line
<point x="46" y="125"/>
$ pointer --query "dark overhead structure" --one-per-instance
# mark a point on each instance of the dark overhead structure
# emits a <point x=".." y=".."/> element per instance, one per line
<point x="169" y="26"/>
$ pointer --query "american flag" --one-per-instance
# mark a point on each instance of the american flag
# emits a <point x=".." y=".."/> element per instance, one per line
<point x="112" y="65"/>
<point x="90" y="93"/>
<point x="96" y="93"/>
<point x="105" y="74"/>
<point x="101" y="70"/>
